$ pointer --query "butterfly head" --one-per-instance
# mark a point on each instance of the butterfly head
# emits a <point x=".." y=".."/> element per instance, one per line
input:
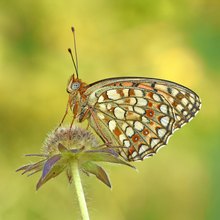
<point x="75" y="86"/>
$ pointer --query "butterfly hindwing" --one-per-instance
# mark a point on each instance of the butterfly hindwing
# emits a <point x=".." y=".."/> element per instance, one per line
<point x="139" y="114"/>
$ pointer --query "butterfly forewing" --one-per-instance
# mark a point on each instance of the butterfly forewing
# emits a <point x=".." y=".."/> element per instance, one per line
<point x="139" y="114"/>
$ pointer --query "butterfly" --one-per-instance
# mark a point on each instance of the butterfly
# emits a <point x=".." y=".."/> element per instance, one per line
<point x="137" y="114"/>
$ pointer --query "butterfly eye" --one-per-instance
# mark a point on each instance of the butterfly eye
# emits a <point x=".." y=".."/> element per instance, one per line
<point x="75" y="85"/>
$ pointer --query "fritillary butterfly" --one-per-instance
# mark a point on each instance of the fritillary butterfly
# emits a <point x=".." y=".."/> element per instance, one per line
<point x="135" y="113"/>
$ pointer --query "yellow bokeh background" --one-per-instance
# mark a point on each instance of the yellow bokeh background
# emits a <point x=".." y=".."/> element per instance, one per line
<point x="173" y="40"/>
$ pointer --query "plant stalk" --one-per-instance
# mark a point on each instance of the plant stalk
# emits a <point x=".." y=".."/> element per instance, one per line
<point x="79" y="191"/>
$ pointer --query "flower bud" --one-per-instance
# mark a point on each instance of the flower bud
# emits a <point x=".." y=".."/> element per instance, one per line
<point x="66" y="145"/>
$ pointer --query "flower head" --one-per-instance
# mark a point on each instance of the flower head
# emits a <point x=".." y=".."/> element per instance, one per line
<point x="64" y="146"/>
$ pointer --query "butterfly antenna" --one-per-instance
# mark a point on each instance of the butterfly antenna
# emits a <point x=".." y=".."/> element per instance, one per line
<point x="74" y="45"/>
<point x="74" y="63"/>
<point x="75" y="50"/>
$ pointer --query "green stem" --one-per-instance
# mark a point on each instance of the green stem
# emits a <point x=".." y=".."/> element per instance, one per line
<point x="79" y="191"/>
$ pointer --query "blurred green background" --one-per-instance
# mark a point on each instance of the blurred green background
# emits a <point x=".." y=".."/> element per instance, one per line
<point x="174" y="40"/>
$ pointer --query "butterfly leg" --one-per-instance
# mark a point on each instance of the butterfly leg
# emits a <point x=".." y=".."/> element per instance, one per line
<point x="71" y="124"/>
<point x="109" y="144"/>
<point x="64" y="116"/>
<point x="87" y="127"/>
<point x="75" y="110"/>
